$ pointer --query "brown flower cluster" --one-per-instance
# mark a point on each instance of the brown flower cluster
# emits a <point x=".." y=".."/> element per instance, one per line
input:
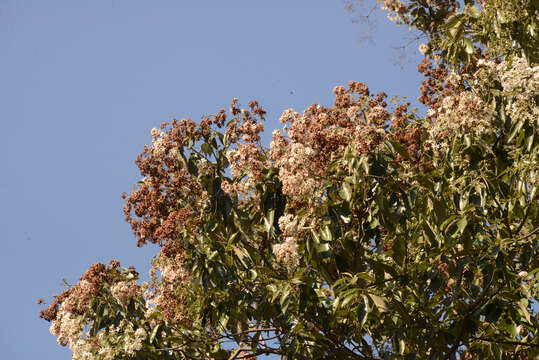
<point x="165" y="294"/>
<point x="321" y="134"/>
<point x="69" y="311"/>
<point x="245" y="125"/>
<point x="431" y="87"/>
<point x="77" y="298"/>
<point x="168" y="199"/>
<point x="152" y="209"/>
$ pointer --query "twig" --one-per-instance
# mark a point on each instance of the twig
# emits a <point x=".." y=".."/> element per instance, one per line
<point x="505" y="341"/>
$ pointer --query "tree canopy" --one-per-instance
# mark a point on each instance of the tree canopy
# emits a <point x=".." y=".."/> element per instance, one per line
<point x="364" y="231"/>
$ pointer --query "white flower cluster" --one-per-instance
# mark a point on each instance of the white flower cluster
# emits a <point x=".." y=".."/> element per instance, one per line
<point x="159" y="139"/>
<point x="522" y="81"/>
<point x="460" y="114"/>
<point x="287" y="251"/>
<point x="454" y="79"/>
<point x="67" y="327"/>
<point x="133" y="342"/>
<point x="249" y="161"/>
<point x="423" y="48"/>
<point x="520" y="84"/>
<point x="204" y="167"/>
<point x="395" y="11"/>
<point x="111" y="343"/>
<point x="466" y="112"/>
<point x="84" y="350"/>
<point x="69" y="330"/>
<point x="83" y="293"/>
<point x="172" y="269"/>
<point x="289" y="225"/>
<point x="124" y="291"/>
<point x="294" y="173"/>
<point x="294" y="170"/>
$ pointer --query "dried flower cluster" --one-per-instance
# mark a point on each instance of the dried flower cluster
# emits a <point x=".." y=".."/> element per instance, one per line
<point x="321" y="134"/>
<point x="162" y="168"/>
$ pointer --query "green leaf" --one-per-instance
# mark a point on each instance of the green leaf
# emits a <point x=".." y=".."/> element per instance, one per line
<point x="364" y="162"/>
<point x="154" y="333"/>
<point x="348" y="298"/>
<point x="456" y="33"/>
<point x="428" y="233"/>
<point x="379" y="302"/>
<point x="467" y="141"/>
<point x="322" y="248"/>
<point x="242" y="255"/>
<point x="448" y="222"/>
<point x="511" y="327"/>
<point x="346" y="219"/>
<point x="363" y="310"/>
<point x="492" y="312"/>
<point x="252" y="274"/>
<point x="399" y="345"/>
<point x="269" y="219"/>
<point x="399" y="249"/>
<point x="522" y="304"/>
<point x="453" y="21"/>
<point x="518" y="126"/>
<point x="192" y="168"/>
<point x="326" y="233"/>
<point x="468" y="46"/>
<point x="346" y="191"/>
<point x="461" y="224"/>
<point x="206" y="148"/>
<point x="400" y="149"/>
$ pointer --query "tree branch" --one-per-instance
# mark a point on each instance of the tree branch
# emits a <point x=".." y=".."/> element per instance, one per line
<point x="505" y="342"/>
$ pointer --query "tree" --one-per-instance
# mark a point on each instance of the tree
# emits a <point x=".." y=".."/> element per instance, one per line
<point x="364" y="231"/>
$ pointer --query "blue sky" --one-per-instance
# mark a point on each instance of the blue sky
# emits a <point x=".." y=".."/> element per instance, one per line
<point x="83" y="82"/>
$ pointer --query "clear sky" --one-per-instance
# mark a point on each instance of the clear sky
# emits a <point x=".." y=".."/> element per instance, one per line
<point x="82" y="82"/>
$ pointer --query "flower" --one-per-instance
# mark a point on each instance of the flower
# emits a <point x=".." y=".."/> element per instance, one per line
<point x="124" y="291"/>
<point x="287" y="252"/>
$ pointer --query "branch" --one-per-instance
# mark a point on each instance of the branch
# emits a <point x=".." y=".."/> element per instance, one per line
<point x="417" y="37"/>
<point x="216" y="338"/>
<point x="246" y="332"/>
<point x="533" y="232"/>
<point x="505" y="342"/>
<point x="236" y="352"/>
<point x="251" y="354"/>
<point x="530" y="234"/>
<point x="483" y="299"/>
<point x="524" y="219"/>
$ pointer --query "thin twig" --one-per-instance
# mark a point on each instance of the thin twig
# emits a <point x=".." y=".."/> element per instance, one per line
<point x="505" y="341"/>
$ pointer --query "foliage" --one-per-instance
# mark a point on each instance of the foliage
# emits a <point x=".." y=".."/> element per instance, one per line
<point x="457" y="30"/>
<point x="364" y="231"/>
